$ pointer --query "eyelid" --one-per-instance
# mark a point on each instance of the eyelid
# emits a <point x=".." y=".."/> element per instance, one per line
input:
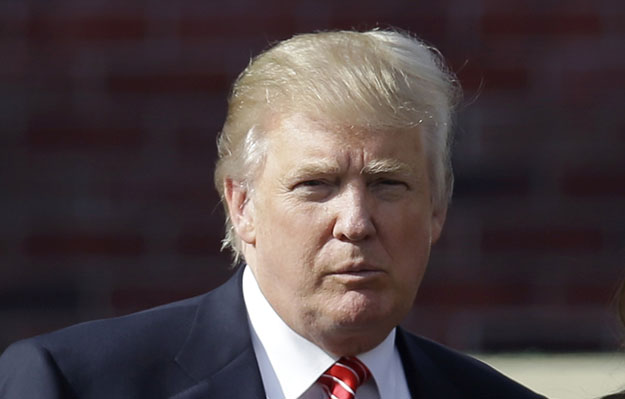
<point x="310" y="182"/>
<point x="392" y="179"/>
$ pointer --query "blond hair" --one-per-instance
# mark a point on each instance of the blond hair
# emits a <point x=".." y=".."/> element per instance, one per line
<point x="378" y="80"/>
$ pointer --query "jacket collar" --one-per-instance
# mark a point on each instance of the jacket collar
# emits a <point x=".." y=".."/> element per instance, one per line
<point x="424" y="378"/>
<point x="218" y="352"/>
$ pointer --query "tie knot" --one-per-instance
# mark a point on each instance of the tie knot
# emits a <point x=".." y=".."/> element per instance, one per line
<point x="345" y="376"/>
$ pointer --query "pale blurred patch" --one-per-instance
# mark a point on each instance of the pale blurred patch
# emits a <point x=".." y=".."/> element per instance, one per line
<point x="563" y="376"/>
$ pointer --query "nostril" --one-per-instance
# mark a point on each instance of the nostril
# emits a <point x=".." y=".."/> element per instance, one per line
<point x="354" y="226"/>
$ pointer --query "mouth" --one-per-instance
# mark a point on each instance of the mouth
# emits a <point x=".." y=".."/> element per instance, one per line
<point x="357" y="272"/>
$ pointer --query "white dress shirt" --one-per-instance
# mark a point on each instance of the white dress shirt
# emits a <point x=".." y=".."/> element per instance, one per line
<point x="290" y="364"/>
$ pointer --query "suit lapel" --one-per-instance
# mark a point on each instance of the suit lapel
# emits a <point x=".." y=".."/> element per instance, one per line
<point x="239" y="379"/>
<point x="425" y="380"/>
<point x="218" y="352"/>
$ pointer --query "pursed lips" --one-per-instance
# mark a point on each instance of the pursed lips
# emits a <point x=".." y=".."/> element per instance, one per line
<point x="357" y="269"/>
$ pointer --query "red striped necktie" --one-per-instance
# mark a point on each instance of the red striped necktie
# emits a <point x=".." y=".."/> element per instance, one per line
<point x="342" y="379"/>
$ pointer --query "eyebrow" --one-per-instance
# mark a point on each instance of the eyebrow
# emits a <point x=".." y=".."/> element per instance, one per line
<point x="314" y="168"/>
<point x="375" y="167"/>
<point x="384" y="166"/>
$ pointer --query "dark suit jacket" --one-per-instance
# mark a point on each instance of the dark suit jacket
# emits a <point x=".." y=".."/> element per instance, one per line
<point x="201" y="348"/>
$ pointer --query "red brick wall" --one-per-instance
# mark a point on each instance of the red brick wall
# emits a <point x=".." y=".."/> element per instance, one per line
<point x="108" y="114"/>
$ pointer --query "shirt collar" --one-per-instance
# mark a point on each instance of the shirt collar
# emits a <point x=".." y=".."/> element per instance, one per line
<point x="296" y="362"/>
<point x="379" y="360"/>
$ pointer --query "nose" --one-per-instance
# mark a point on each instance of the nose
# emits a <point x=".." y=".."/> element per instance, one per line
<point x="353" y="220"/>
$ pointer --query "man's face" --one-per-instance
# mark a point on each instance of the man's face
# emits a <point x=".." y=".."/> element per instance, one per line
<point x="338" y="230"/>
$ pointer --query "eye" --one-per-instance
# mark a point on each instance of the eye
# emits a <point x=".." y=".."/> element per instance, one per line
<point x="313" y="190"/>
<point x="389" y="189"/>
<point x="390" y="183"/>
<point x="310" y="183"/>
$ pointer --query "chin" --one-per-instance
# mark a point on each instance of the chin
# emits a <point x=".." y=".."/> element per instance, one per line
<point x="360" y="311"/>
<point x="349" y="336"/>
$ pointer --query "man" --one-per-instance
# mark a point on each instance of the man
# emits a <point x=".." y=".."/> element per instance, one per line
<point x="335" y="174"/>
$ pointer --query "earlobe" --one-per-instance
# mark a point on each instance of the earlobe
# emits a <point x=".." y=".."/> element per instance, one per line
<point x="241" y="210"/>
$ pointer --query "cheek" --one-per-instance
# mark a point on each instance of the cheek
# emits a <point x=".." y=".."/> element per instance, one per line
<point x="289" y="235"/>
<point x="407" y="240"/>
<point x="407" y="226"/>
<point x="301" y="223"/>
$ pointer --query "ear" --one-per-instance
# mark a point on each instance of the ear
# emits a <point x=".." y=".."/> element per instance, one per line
<point x="438" y="221"/>
<point x="241" y="210"/>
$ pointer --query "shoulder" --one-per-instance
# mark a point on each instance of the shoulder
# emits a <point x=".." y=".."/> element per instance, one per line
<point x="28" y="371"/>
<point x="466" y="374"/>
<point x="67" y="360"/>
<point x="155" y="353"/>
<point x="160" y="329"/>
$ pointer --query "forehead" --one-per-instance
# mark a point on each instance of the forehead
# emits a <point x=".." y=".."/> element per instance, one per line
<point x="300" y="137"/>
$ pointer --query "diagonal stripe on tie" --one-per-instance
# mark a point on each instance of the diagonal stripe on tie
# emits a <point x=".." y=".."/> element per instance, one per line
<point x="344" y="377"/>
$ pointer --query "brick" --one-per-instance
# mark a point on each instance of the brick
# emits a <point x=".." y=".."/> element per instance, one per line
<point x="85" y="138"/>
<point x="237" y="25"/>
<point x="172" y="190"/>
<point x="199" y="140"/>
<point x="132" y="298"/>
<point x="171" y="82"/>
<point x="542" y="239"/>
<point x="509" y="141"/>
<point x="12" y="25"/>
<point x="43" y="78"/>
<point x="483" y="184"/>
<point x="524" y="6"/>
<point x="114" y="123"/>
<point x="584" y="293"/>
<point x="597" y="123"/>
<point x="40" y="296"/>
<point x="429" y="321"/>
<point x="541" y="333"/>
<point x="14" y="65"/>
<point x="585" y="86"/>
<point x="194" y="244"/>
<point x="487" y="78"/>
<point x="67" y="244"/>
<point x="427" y="26"/>
<point x="47" y="27"/>
<point x="534" y="24"/>
<point x="485" y="293"/>
<point x="598" y="184"/>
